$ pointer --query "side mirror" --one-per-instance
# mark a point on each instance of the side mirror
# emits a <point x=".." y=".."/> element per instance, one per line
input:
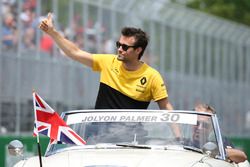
<point x="15" y="148"/>
<point x="210" y="149"/>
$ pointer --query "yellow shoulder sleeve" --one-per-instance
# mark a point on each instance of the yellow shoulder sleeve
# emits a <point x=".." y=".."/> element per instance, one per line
<point x="159" y="90"/>
<point x="101" y="60"/>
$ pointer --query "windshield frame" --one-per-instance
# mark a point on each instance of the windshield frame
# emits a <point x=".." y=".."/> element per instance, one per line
<point x="213" y="118"/>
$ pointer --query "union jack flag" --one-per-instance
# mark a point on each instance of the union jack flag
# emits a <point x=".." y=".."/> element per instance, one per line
<point x="49" y="123"/>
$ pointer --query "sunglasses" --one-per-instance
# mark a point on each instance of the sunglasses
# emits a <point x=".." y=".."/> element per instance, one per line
<point x="124" y="46"/>
<point x="204" y="125"/>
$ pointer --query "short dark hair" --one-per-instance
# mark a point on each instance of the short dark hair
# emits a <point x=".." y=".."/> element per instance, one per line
<point x="141" y="37"/>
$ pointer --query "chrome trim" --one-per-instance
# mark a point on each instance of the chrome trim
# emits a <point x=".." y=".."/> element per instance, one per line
<point x="219" y="137"/>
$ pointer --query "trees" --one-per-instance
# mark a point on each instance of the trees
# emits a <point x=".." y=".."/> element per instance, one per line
<point x="236" y="10"/>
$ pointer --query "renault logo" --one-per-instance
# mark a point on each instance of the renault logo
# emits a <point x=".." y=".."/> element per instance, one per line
<point x="143" y="80"/>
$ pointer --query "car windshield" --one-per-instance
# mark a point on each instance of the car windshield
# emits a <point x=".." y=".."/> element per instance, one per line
<point x="140" y="129"/>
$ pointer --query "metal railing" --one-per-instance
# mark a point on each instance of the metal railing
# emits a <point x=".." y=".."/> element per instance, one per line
<point x="202" y="58"/>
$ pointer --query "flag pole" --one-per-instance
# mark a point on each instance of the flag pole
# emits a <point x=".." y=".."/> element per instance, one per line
<point x="39" y="153"/>
<point x="37" y="134"/>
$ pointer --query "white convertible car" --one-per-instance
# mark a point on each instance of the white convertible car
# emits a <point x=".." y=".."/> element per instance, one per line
<point x="138" y="138"/>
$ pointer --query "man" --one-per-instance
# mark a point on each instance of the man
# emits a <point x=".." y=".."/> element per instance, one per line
<point x="201" y="132"/>
<point x="125" y="81"/>
<point x="233" y="154"/>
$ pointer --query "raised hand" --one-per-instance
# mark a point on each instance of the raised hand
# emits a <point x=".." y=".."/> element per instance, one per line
<point x="47" y="24"/>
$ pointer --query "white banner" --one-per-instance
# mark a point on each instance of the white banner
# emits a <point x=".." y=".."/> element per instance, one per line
<point x="182" y="118"/>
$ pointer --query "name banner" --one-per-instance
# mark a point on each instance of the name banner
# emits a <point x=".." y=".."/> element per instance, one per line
<point x="171" y="117"/>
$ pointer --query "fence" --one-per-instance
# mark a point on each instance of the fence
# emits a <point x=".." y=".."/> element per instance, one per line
<point x="202" y="58"/>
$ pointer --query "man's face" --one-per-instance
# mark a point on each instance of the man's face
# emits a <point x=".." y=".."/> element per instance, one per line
<point x="202" y="129"/>
<point x="127" y="51"/>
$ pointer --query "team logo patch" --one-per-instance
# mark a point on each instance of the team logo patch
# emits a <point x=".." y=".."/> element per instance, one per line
<point x="143" y="80"/>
